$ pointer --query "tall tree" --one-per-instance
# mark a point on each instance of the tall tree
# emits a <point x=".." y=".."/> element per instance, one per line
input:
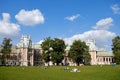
<point x="116" y="49"/>
<point x="58" y="46"/>
<point x="53" y="50"/>
<point x="79" y="52"/>
<point x="46" y="45"/>
<point x="6" y="49"/>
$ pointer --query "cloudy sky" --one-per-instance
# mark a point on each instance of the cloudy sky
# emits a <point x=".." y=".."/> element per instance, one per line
<point x="66" y="19"/>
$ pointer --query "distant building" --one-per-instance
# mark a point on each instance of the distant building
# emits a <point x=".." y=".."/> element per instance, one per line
<point x="30" y="54"/>
<point x="92" y="50"/>
<point x="104" y="57"/>
<point x="27" y="53"/>
<point x="99" y="56"/>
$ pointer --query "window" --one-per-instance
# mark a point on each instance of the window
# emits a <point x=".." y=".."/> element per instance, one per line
<point x="104" y="59"/>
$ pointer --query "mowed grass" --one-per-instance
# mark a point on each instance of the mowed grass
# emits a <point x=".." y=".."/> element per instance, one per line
<point x="58" y="73"/>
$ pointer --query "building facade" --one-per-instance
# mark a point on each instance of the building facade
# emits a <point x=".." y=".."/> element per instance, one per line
<point x="27" y="53"/>
<point x="99" y="56"/>
<point x="30" y="54"/>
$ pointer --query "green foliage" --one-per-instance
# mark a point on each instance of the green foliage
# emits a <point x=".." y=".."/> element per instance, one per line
<point x="53" y="49"/>
<point x="58" y="46"/>
<point x="46" y="45"/>
<point x="116" y="49"/>
<point x="46" y="57"/>
<point x="57" y="57"/>
<point x="6" y="50"/>
<point x="6" y="46"/>
<point x="79" y="52"/>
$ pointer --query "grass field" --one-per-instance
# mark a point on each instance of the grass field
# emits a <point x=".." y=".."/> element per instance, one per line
<point x="58" y="73"/>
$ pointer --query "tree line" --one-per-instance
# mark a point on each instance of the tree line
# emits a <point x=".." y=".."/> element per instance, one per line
<point x="54" y="50"/>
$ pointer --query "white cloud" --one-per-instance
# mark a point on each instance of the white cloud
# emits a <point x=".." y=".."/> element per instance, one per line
<point x="102" y="37"/>
<point x="6" y="17"/>
<point x="104" y="23"/>
<point x="115" y="8"/>
<point x="30" y="18"/>
<point x="7" y="28"/>
<point x="72" y="18"/>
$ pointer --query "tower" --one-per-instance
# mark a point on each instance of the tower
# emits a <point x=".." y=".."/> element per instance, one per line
<point x="92" y="50"/>
<point x="25" y="51"/>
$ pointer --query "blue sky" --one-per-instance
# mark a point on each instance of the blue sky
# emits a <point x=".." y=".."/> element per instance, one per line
<point x="66" y="19"/>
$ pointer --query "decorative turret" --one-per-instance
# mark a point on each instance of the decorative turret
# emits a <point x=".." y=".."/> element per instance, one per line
<point x="92" y="50"/>
<point x="25" y="42"/>
<point x="92" y="44"/>
<point x="25" y="50"/>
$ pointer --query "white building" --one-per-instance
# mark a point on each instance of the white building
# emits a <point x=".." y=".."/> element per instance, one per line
<point x="99" y="56"/>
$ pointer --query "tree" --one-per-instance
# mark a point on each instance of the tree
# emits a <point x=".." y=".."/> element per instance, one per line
<point x="58" y="46"/>
<point x="53" y="50"/>
<point x="46" y="45"/>
<point x="6" y="49"/>
<point x="79" y="52"/>
<point x="46" y="57"/>
<point x="116" y="49"/>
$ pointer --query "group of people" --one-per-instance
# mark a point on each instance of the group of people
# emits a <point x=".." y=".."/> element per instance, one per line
<point x="73" y="70"/>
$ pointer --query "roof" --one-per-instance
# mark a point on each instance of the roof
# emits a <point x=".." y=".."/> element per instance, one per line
<point x="104" y="53"/>
<point x="36" y="46"/>
<point x="25" y="41"/>
<point x="14" y="49"/>
<point x="91" y="43"/>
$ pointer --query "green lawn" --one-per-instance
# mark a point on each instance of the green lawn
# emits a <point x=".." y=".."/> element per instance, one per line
<point x="58" y="73"/>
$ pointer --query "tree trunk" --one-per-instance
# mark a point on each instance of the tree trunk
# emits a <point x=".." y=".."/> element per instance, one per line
<point x="78" y="64"/>
<point x="57" y="64"/>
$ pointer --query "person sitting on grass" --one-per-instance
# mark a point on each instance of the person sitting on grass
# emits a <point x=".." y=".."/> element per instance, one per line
<point x="75" y="70"/>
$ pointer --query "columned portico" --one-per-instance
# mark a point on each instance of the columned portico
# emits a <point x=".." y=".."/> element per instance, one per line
<point x="104" y="60"/>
